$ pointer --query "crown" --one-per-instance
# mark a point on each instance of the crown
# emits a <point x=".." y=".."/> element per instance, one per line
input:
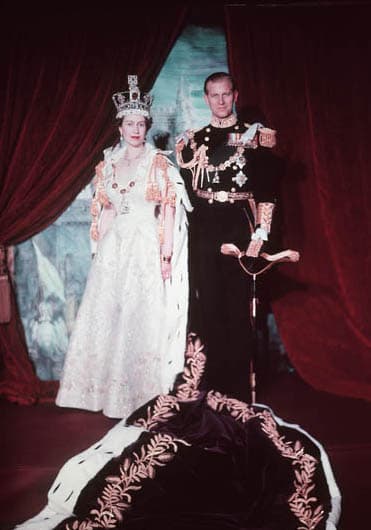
<point x="132" y="101"/>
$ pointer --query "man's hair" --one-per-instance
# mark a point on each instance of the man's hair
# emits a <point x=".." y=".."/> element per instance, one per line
<point x="217" y="76"/>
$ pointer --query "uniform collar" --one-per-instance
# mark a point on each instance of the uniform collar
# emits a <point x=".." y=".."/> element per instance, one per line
<point x="224" y="122"/>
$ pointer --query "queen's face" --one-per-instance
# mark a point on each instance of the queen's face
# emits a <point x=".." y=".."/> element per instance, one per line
<point x="133" y="129"/>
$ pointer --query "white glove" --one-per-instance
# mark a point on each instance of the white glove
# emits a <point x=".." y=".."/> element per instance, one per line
<point x="259" y="233"/>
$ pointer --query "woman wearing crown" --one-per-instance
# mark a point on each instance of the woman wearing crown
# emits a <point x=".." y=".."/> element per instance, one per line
<point x="129" y="337"/>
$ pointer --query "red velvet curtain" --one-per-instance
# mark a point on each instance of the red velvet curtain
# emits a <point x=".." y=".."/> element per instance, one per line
<point x="59" y="69"/>
<point x="308" y="70"/>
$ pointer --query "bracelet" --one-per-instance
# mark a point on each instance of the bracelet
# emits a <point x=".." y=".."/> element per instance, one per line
<point x="166" y="259"/>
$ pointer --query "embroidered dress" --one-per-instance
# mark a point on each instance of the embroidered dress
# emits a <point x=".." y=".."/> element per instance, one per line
<point x="128" y="341"/>
<point x="192" y="460"/>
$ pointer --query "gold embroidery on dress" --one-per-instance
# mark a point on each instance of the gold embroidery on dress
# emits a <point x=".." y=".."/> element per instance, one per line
<point x="117" y="495"/>
<point x="192" y="373"/>
<point x="302" y="501"/>
<point x="160" y="165"/>
<point x="166" y="405"/>
<point x="99" y="200"/>
<point x="162" y="409"/>
<point x="153" y="192"/>
<point x="303" y="504"/>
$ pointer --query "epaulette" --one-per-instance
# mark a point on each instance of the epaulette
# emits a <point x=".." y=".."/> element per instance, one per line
<point x="191" y="132"/>
<point x="265" y="136"/>
<point x="184" y="137"/>
<point x="196" y="131"/>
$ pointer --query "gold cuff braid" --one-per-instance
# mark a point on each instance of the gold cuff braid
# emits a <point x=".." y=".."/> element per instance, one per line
<point x="264" y="215"/>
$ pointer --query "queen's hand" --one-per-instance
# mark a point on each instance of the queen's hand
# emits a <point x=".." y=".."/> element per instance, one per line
<point x="165" y="270"/>
<point x="165" y="264"/>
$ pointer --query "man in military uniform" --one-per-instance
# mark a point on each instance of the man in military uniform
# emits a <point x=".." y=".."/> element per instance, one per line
<point x="231" y="176"/>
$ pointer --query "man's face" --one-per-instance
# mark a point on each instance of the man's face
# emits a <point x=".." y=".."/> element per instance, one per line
<point x="220" y="97"/>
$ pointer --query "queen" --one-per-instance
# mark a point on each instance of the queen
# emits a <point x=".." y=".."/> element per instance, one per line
<point x="129" y="337"/>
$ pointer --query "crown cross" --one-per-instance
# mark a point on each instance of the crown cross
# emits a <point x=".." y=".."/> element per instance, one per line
<point x="133" y="86"/>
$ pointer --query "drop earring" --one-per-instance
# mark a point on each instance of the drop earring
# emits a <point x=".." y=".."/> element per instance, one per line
<point x="121" y="140"/>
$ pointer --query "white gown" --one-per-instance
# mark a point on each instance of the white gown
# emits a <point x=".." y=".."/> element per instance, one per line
<point x="129" y="338"/>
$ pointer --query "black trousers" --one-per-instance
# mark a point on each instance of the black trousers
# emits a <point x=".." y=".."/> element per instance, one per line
<point x="220" y="300"/>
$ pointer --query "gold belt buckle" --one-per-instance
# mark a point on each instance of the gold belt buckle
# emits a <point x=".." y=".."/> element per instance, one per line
<point x="221" y="196"/>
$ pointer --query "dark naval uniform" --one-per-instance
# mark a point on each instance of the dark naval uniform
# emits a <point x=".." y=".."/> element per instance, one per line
<point x="226" y="182"/>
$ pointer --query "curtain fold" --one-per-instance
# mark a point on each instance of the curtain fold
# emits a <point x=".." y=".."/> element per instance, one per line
<point x="306" y="72"/>
<point x="59" y="71"/>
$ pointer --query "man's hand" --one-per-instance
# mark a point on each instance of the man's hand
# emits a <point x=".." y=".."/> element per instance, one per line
<point x="257" y="239"/>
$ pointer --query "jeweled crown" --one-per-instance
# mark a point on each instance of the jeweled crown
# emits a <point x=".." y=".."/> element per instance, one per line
<point x="132" y="101"/>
